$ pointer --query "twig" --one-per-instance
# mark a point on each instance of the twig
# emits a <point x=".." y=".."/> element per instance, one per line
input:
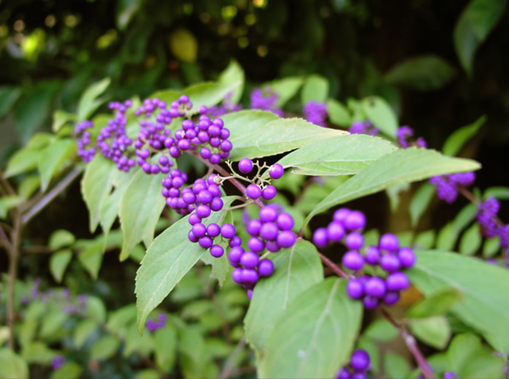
<point x="4" y="240"/>
<point x="13" y="274"/>
<point x="61" y="186"/>
<point x="334" y="267"/>
<point x="5" y="183"/>
<point x="410" y="342"/>
<point x="228" y="366"/>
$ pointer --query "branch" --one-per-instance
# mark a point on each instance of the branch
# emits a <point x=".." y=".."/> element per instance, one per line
<point x="334" y="267"/>
<point x="229" y="364"/>
<point x="60" y="187"/>
<point x="411" y="344"/>
<point x="13" y="275"/>
<point x="5" y="183"/>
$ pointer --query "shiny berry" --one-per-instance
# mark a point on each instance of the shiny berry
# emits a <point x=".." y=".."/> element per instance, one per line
<point x="355" y="220"/>
<point x="276" y="171"/>
<point x="227" y="231"/>
<point x="406" y="257"/>
<point x="265" y="267"/>
<point x="354" y="241"/>
<point x="375" y="287"/>
<point x="390" y="263"/>
<point x="321" y="237"/>
<point x="353" y="260"/>
<point x="389" y="242"/>
<point x="249" y="259"/>
<point x="286" y="239"/>
<point x="355" y="288"/>
<point x="216" y="251"/>
<point x="397" y="281"/>
<point x="359" y="360"/>
<point x="245" y="165"/>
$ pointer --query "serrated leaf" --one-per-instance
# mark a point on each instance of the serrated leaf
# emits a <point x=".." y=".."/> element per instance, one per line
<point x="96" y="186"/>
<point x="295" y="270"/>
<point x="220" y="266"/>
<point x="395" y="366"/>
<point x="12" y="365"/>
<point x="104" y="348"/>
<point x="433" y="331"/>
<point x="165" y="346"/>
<point x="234" y="73"/>
<point x="316" y="88"/>
<point x="485" y="305"/>
<point x="398" y="167"/>
<point x="53" y="158"/>
<point x="259" y="133"/>
<point x="140" y="208"/>
<point x="379" y="112"/>
<point x="58" y="264"/>
<point x="460" y="137"/>
<point x="436" y="304"/>
<point x="90" y="101"/>
<point x="338" y="113"/>
<point x="83" y="331"/>
<point x="69" y="370"/>
<point x="425" y="73"/>
<point x="22" y="161"/>
<point x="420" y="201"/>
<point x="168" y="259"/>
<point x="339" y="155"/>
<point x="314" y="337"/>
<point x="471" y="240"/>
<point x="61" y="238"/>
<point x="286" y="88"/>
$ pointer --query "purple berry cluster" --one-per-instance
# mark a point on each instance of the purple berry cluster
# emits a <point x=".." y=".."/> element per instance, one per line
<point x="153" y="325"/>
<point x="256" y="191"/>
<point x="316" y="113"/>
<point x="358" y="366"/>
<point x="365" y="127"/>
<point x="57" y="362"/>
<point x="205" y="235"/>
<point x="490" y="226"/>
<point x="346" y="227"/>
<point x="447" y="185"/>
<point x="227" y="106"/>
<point x="266" y="100"/>
<point x="271" y="231"/>
<point x="83" y="140"/>
<point x="404" y="133"/>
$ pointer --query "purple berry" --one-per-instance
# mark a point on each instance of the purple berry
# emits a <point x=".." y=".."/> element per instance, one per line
<point x="269" y="192"/>
<point x="203" y="211"/>
<point x="268" y="213"/>
<point x="265" y="267"/>
<point x="205" y="242"/>
<point x="249" y="276"/>
<point x="194" y="219"/>
<point x="255" y="244"/>
<point x="375" y="287"/>
<point x="227" y="231"/>
<point x="192" y="237"/>
<point x="389" y="242"/>
<point x="370" y="302"/>
<point x="353" y="260"/>
<point x="355" y="288"/>
<point x="285" y="221"/>
<point x="253" y="227"/>
<point x="343" y="374"/>
<point x="341" y="214"/>
<point x="235" y="241"/>
<point x="245" y="165"/>
<point x="253" y="191"/>
<point x="249" y="259"/>
<point x="213" y="230"/>
<point x="237" y="275"/>
<point x="406" y="257"/>
<point x="321" y="237"/>
<point x="354" y="241"/>
<point x="335" y="231"/>
<point x="234" y="255"/>
<point x="216" y="251"/>
<point x="360" y="360"/>
<point x="269" y="231"/>
<point x="286" y="239"/>
<point x="390" y="263"/>
<point x="276" y="171"/>
<point x="199" y="230"/>
<point x="272" y="246"/>
<point x="249" y="294"/>
<point x="372" y="255"/>
<point x="216" y="204"/>
<point x="358" y="375"/>
<point x="391" y="298"/>
<point x="397" y="281"/>
<point x="355" y="220"/>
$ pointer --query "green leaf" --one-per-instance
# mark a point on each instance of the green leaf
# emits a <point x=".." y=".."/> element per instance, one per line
<point x="90" y="101"/>
<point x="58" y="263"/>
<point x="381" y="115"/>
<point x="7" y="203"/>
<point x="482" y="307"/>
<point x="28" y="186"/>
<point x="165" y="346"/>
<point x="104" y="348"/>
<point x="381" y="330"/>
<point x="168" y="259"/>
<point x="484" y="15"/>
<point x="398" y="167"/>
<point x="295" y="271"/>
<point x="471" y="240"/>
<point x="433" y="331"/>
<point x="461" y="349"/>
<point x="69" y="370"/>
<point x="338" y="113"/>
<point x="395" y="366"/>
<point x="61" y="118"/>
<point x="91" y="258"/>
<point x="374" y="353"/>
<point x="420" y="201"/>
<point x="53" y="158"/>
<point x="52" y="322"/>
<point x="8" y="96"/>
<point x="501" y="193"/>
<point x="314" y="337"/>
<point x="12" y="365"/>
<point x="437" y="304"/>
<point x="148" y="374"/>
<point x="286" y="88"/>
<point x="259" y="133"/>
<point x="483" y="364"/>
<point x="192" y="348"/>
<point x="339" y="155"/>
<point x="316" y="88"/>
<point x="140" y="208"/>
<point x="61" y="238"/>
<point x="126" y="9"/>
<point x="96" y="186"/>
<point x="233" y="74"/>
<point x="37" y="352"/>
<point x="220" y="266"/>
<point x="425" y="73"/>
<point x="22" y="161"/>
<point x="118" y="320"/>
<point x="96" y="309"/>
<point x="136" y="342"/>
<point x="491" y="247"/>
<point x="425" y="240"/>
<point x="460" y="137"/>
<point x="83" y="331"/>
<point x="207" y="94"/>
<point x="447" y="237"/>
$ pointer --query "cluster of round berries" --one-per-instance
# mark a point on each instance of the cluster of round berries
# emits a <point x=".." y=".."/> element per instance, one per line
<point x="83" y="140"/>
<point x="388" y="255"/>
<point x="366" y="127"/>
<point x="209" y="136"/>
<point x="204" y="235"/>
<point x="227" y="106"/>
<point x="447" y="185"/>
<point x="404" y="133"/>
<point x="113" y="140"/>
<point x="57" y="362"/>
<point x="487" y="218"/>
<point x="266" y="100"/>
<point x="272" y="231"/>
<point x="358" y="366"/>
<point x="316" y="112"/>
<point x="153" y="325"/>
<point x="255" y="191"/>
<point x="204" y="196"/>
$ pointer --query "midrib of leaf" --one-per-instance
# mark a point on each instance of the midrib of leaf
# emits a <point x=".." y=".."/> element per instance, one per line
<point x="287" y="286"/>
